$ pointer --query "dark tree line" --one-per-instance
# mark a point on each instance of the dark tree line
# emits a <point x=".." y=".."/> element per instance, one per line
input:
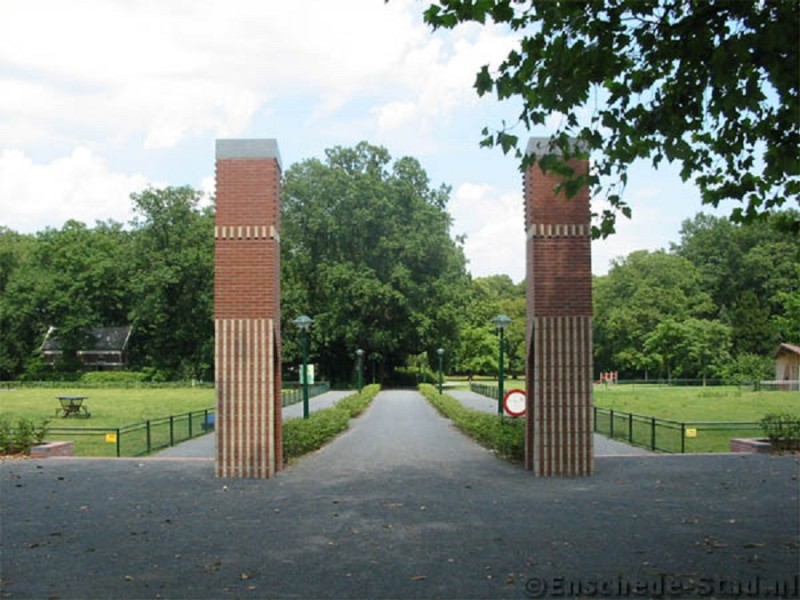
<point x="367" y="252"/>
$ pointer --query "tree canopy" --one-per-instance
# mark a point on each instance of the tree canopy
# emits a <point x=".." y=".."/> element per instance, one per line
<point x="366" y="251"/>
<point x="711" y="85"/>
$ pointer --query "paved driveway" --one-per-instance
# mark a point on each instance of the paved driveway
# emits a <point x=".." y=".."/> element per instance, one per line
<point x="400" y="506"/>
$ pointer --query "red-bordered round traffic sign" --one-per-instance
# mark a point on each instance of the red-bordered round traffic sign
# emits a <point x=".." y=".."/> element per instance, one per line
<point x="514" y="402"/>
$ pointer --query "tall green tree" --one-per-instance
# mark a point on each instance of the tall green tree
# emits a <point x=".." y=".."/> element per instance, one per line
<point x="640" y="292"/>
<point x="748" y="270"/>
<point x="71" y="279"/>
<point x="711" y="85"/>
<point x="366" y="252"/>
<point x="478" y="350"/>
<point x="172" y="283"/>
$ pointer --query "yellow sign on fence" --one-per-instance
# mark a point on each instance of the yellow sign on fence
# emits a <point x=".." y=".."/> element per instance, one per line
<point x="111" y="438"/>
<point x="691" y="432"/>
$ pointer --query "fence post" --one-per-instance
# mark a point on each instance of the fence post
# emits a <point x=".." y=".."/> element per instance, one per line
<point x="119" y="442"/>
<point x="630" y="428"/>
<point x="171" y="431"/>
<point x="190" y="426"/>
<point x="611" y="425"/>
<point x="683" y="438"/>
<point x="653" y="434"/>
<point x="594" y="417"/>
<point x="149" y="441"/>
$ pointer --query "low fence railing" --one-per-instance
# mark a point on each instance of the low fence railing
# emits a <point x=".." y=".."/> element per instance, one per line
<point x="135" y="439"/>
<point x="665" y="435"/>
<point x="293" y="391"/>
<point x="146" y="437"/>
<point x="484" y="389"/>
<point x="660" y="435"/>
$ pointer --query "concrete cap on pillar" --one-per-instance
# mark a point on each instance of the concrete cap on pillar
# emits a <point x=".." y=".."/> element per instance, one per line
<point x="541" y="146"/>
<point x="264" y="148"/>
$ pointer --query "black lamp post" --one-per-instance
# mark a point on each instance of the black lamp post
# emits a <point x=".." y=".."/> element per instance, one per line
<point x="500" y="322"/>
<point x="440" y="352"/>
<point x="303" y="323"/>
<point x="360" y="355"/>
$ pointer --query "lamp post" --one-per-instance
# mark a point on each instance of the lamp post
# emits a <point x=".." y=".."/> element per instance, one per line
<point x="440" y="352"/>
<point x="360" y="355"/>
<point x="500" y="322"/>
<point x="303" y="323"/>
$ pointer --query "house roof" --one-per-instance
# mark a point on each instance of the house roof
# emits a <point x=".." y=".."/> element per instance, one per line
<point x="787" y="349"/>
<point x="105" y="339"/>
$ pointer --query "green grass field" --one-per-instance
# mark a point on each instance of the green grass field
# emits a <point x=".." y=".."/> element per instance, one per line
<point x="111" y="409"/>
<point x="679" y="403"/>
<point x="696" y="407"/>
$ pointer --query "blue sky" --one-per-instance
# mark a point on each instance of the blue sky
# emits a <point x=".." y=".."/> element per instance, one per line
<point x="101" y="98"/>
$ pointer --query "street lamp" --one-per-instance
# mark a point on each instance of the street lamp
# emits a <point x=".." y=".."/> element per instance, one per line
<point x="500" y="322"/>
<point x="440" y="352"/>
<point x="303" y="323"/>
<point x="360" y="355"/>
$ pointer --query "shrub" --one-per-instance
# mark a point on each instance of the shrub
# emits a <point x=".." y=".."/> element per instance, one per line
<point x="95" y="377"/>
<point x="18" y="438"/>
<point x="782" y="430"/>
<point x="504" y="435"/>
<point x="301" y="436"/>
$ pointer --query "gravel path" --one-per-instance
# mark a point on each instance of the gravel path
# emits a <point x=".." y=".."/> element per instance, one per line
<point x="400" y="506"/>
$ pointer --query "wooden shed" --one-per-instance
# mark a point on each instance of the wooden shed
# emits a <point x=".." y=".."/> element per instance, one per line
<point x="787" y="366"/>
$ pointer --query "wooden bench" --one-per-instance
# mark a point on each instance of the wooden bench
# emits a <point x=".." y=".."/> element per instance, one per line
<point x="72" y="406"/>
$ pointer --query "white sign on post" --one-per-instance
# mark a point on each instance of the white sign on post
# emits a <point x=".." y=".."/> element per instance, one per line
<point x="514" y="402"/>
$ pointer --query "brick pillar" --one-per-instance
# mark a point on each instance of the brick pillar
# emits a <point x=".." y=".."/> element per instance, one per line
<point x="558" y="439"/>
<point x="247" y="309"/>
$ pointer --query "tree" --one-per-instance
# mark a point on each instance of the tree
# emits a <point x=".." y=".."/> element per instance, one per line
<point x="477" y="351"/>
<point x="71" y="279"/>
<point x="691" y="348"/>
<point x="713" y="86"/>
<point x="749" y="271"/>
<point x="172" y="283"/>
<point x="640" y="292"/>
<point x="366" y="252"/>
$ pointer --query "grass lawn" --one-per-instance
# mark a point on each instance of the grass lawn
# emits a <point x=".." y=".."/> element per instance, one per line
<point x="679" y="403"/>
<point x="697" y="407"/>
<point x="111" y="409"/>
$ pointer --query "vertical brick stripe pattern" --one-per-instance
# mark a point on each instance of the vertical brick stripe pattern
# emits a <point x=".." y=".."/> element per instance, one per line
<point x="561" y="396"/>
<point x="245" y="369"/>
<point x="247" y="309"/>
<point x="558" y="437"/>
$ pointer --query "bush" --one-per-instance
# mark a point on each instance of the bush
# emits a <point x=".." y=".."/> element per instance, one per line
<point x="97" y="377"/>
<point x="504" y="435"/>
<point x="301" y="436"/>
<point x="782" y="430"/>
<point x="20" y="437"/>
<point x="746" y="368"/>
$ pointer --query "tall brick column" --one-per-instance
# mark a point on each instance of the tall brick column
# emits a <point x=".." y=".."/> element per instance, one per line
<point x="247" y="309"/>
<point x="558" y="438"/>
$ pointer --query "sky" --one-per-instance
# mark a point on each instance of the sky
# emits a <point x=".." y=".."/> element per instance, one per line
<point x="102" y="98"/>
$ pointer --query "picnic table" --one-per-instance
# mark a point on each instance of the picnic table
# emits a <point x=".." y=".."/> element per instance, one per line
<point x="72" y="406"/>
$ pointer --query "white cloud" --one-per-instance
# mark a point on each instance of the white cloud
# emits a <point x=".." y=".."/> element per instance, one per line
<point x="494" y="224"/>
<point x="79" y="186"/>
<point x="175" y="69"/>
<point x="436" y="77"/>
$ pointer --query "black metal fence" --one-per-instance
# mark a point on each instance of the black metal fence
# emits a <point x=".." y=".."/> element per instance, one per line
<point x="660" y="435"/>
<point x="146" y="437"/>
<point x="294" y="393"/>
<point x="484" y="389"/>
<point x="665" y="435"/>
<point x="136" y="439"/>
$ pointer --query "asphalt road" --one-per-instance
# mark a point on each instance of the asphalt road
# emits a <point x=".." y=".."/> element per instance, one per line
<point x="400" y="506"/>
